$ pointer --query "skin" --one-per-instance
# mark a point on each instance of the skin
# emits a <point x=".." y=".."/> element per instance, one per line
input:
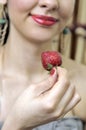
<point x="26" y="87"/>
<point x="28" y="39"/>
<point x="77" y="75"/>
<point x="22" y="10"/>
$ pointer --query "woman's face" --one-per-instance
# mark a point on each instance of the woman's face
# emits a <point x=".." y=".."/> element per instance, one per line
<point x="39" y="20"/>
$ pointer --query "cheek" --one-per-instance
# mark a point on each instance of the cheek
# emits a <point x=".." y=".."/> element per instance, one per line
<point x="66" y="8"/>
<point x="22" y="5"/>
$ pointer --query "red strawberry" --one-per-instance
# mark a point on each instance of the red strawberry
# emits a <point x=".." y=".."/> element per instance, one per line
<point x="51" y="59"/>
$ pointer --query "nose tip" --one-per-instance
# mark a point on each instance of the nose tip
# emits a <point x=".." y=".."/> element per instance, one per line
<point x="49" y="4"/>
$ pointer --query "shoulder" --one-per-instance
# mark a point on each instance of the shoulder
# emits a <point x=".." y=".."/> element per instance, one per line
<point x="74" y="68"/>
<point x="72" y="64"/>
<point x="77" y="74"/>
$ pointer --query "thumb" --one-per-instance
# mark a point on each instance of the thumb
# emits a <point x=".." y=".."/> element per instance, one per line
<point x="48" y="83"/>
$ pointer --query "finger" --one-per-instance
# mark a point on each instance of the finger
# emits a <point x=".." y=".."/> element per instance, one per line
<point x="66" y="99"/>
<point x="46" y="84"/>
<point x="75" y="100"/>
<point x="60" y="87"/>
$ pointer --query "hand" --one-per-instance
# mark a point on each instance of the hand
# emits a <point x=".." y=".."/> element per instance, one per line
<point x="43" y="102"/>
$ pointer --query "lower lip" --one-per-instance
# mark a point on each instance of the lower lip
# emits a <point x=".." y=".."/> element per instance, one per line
<point x="43" y="21"/>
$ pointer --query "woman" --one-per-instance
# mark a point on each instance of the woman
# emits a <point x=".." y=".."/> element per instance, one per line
<point x="31" y="97"/>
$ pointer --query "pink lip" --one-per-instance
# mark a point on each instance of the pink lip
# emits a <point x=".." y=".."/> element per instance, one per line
<point x="44" y="20"/>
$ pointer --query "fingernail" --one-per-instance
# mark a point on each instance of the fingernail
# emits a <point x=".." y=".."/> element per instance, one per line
<point x="52" y="71"/>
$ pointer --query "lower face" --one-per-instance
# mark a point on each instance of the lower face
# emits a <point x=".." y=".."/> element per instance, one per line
<point x="22" y="20"/>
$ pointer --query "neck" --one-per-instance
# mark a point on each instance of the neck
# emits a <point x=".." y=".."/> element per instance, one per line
<point x="24" y="57"/>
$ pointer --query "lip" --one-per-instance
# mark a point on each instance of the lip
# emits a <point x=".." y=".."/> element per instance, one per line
<point x="44" y="20"/>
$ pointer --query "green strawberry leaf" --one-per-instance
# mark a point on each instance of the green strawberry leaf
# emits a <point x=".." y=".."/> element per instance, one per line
<point x="49" y="67"/>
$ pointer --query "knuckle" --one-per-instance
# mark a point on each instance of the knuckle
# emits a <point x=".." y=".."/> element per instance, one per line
<point x="66" y="81"/>
<point x="50" y="107"/>
<point x="59" y="113"/>
<point x="78" y="98"/>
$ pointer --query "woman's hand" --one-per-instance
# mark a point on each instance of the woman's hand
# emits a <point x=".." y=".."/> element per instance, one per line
<point x="43" y="102"/>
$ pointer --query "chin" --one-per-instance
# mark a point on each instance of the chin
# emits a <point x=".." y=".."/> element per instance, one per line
<point x="40" y="35"/>
<point x="40" y="38"/>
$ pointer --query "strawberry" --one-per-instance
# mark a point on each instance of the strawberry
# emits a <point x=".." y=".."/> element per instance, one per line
<point x="51" y="59"/>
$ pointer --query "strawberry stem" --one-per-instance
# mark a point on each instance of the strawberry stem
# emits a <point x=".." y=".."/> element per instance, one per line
<point x="49" y="67"/>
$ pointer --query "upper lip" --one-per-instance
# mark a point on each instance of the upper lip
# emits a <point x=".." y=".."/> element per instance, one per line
<point x="45" y="17"/>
